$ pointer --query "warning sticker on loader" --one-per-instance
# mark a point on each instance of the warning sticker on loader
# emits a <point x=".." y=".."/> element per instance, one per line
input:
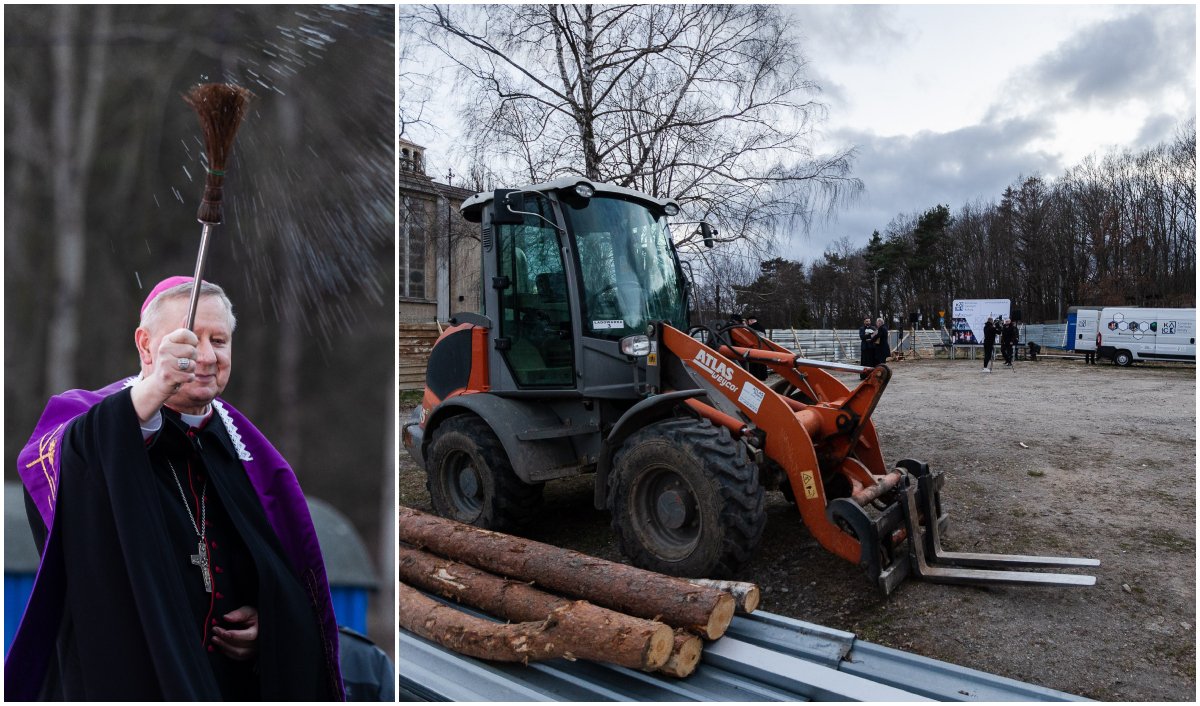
<point x="751" y="397"/>
<point x="810" y="485"/>
<point x="607" y="324"/>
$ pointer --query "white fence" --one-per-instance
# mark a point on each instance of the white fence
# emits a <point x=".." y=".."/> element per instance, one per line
<point x="841" y="345"/>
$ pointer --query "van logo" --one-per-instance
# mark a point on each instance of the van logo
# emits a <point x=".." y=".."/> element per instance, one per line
<point x="720" y="372"/>
<point x="1137" y="329"/>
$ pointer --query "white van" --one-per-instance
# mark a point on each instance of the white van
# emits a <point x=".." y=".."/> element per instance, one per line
<point x="1082" y="325"/>
<point x="1129" y="334"/>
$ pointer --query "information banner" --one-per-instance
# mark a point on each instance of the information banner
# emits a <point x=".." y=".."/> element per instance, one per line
<point x="971" y="314"/>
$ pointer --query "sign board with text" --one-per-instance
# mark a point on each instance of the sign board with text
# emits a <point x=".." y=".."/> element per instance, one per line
<point x="970" y="316"/>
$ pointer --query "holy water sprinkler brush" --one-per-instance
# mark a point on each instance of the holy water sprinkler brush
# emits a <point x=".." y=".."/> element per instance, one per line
<point x="221" y="108"/>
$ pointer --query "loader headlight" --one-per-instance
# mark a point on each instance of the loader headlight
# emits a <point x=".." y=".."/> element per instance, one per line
<point x="635" y="345"/>
<point x="585" y="190"/>
<point x="671" y="209"/>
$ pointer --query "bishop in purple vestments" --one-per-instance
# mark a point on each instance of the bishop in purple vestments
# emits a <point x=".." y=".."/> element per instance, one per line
<point x="179" y="561"/>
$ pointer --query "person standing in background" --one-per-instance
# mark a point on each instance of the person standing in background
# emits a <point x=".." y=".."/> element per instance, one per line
<point x="1008" y="341"/>
<point x="865" y="333"/>
<point x="881" y="349"/>
<point x="989" y="344"/>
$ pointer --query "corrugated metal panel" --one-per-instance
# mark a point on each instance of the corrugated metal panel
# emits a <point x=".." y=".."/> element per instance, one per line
<point x="913" y="673"/>
<point x="763" y="657"/>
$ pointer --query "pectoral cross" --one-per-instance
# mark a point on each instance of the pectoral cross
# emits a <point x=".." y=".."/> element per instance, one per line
<point x="201" y="560"/>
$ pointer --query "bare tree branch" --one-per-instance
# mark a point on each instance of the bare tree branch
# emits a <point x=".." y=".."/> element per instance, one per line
<point x="708" y="104"/>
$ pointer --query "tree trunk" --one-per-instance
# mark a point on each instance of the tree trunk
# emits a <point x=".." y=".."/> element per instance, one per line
<point x="587" y="631"/>
<point x="289" y="310"/>
<point x="627" y="589"/>
<point x="746" y="594"/>
<point x="73" y="124"/>
<point x="477" y="637"/>
<point x="685" y="655"/>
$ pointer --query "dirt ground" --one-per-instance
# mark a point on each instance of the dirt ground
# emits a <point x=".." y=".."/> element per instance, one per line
<point x="1052" y="457"/>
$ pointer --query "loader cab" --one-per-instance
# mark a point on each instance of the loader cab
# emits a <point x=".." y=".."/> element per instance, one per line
<point x="573" y="272"/>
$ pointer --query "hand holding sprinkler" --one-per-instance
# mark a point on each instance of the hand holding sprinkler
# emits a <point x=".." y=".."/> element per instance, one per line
<point x="221" y="108"/>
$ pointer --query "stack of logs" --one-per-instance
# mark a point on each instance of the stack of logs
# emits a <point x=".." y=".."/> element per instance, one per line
<point x="627" y="616"/>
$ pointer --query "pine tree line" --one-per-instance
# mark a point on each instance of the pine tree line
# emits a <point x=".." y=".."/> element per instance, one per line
<point x="1113" y="230"/>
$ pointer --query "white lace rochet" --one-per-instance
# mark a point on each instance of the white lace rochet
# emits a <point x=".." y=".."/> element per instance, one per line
<point x="230" y="427"/>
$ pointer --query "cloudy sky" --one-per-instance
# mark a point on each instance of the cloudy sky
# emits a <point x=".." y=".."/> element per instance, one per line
<point x="951" y="103"/>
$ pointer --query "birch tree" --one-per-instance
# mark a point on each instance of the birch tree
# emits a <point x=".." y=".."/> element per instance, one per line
<point x="707" y="104"/>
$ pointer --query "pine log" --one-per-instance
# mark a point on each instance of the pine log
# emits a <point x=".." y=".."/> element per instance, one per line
<point x="685" y="655"/>
<point x="477" y="637"/>
<point x="746" y="594"/>
<point x="588" y="631"/>
<point x="627" y="589"/>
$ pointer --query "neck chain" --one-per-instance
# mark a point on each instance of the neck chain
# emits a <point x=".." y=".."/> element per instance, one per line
<point x="200" y="558"/>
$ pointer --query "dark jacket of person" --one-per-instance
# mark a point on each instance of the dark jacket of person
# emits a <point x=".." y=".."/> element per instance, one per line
<point x="1008" y="334"/>
<point x="866" y="352"/>
<point x="366" y="670"/>
<point x="989" y="334"/>
<point x="880" y="345"/>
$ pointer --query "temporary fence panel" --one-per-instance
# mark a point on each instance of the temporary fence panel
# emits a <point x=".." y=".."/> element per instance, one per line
<point x="1045" y="335"/>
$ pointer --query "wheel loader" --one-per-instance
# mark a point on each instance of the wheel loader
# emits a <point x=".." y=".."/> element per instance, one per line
<point x="583" y="360"/>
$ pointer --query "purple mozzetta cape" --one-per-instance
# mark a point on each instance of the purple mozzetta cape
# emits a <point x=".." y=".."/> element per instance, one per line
<point x="270" y="475"/>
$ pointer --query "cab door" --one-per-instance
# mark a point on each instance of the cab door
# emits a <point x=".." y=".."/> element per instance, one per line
<point x="534" y="337"/>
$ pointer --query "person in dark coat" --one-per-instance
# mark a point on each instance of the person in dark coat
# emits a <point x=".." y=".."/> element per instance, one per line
<point x="989" y="344"/>
<point x="880" y="347"/>
<point x="366" y="670"/>
<point x="1008" y="341"/>
<point x="866" y="353"/>
<point x="178" y="558"/>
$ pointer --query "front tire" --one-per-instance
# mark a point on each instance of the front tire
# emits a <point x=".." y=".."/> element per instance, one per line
<point x="470" y="478"/>
<point x="686" y="499"/>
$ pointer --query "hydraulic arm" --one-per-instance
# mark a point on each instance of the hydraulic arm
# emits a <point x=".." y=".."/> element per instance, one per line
<point x="818" y="433"/>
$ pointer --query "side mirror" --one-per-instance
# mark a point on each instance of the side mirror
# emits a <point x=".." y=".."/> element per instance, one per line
<point x="504" y="203"/>
<point x="708" y="233"/>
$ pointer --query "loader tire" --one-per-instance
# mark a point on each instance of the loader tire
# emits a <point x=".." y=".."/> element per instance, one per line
<point x="470" y="479"/>
<point x="685" y="499"/>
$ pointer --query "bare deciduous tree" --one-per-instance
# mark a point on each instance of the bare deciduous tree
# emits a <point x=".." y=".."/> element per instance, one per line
<point x="412" y="88"/>
<point x="707" y="104"/>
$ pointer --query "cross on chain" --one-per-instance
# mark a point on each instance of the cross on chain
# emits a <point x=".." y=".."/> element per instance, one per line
<point x="201" y="560"/>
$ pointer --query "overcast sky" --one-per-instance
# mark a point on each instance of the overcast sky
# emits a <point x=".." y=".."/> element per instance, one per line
<point x="951" y="103"/>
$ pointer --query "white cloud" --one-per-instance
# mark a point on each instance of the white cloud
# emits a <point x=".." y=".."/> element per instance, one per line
<point x="977" y="97"/>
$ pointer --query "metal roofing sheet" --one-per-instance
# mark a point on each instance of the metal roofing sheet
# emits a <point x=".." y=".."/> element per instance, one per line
<point x="763" y="657"/>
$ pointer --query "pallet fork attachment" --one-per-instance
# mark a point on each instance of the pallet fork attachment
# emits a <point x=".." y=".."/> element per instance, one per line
<point x="930" y="562"/>
<point x="905" y="539"/>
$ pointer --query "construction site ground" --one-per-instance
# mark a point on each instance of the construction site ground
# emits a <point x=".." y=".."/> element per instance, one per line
<point x="1052" y="457"/>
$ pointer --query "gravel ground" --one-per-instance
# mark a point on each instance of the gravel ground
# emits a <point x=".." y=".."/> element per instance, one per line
<point x="1052" y="457"/>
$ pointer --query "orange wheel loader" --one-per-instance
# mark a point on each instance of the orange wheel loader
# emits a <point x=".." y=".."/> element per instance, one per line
<point x="583" y="361"/>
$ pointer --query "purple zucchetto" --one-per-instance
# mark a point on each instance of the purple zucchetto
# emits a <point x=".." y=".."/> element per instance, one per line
<point x="164" y="286"/>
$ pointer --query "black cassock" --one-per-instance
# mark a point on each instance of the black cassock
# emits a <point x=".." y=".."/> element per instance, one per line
<point x="137" y="619"/>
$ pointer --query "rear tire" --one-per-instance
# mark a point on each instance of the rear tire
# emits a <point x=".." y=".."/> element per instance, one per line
<point x="1123" y="358"/>
<point x="470" y="479"/>
<point x="686" y="499"/>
